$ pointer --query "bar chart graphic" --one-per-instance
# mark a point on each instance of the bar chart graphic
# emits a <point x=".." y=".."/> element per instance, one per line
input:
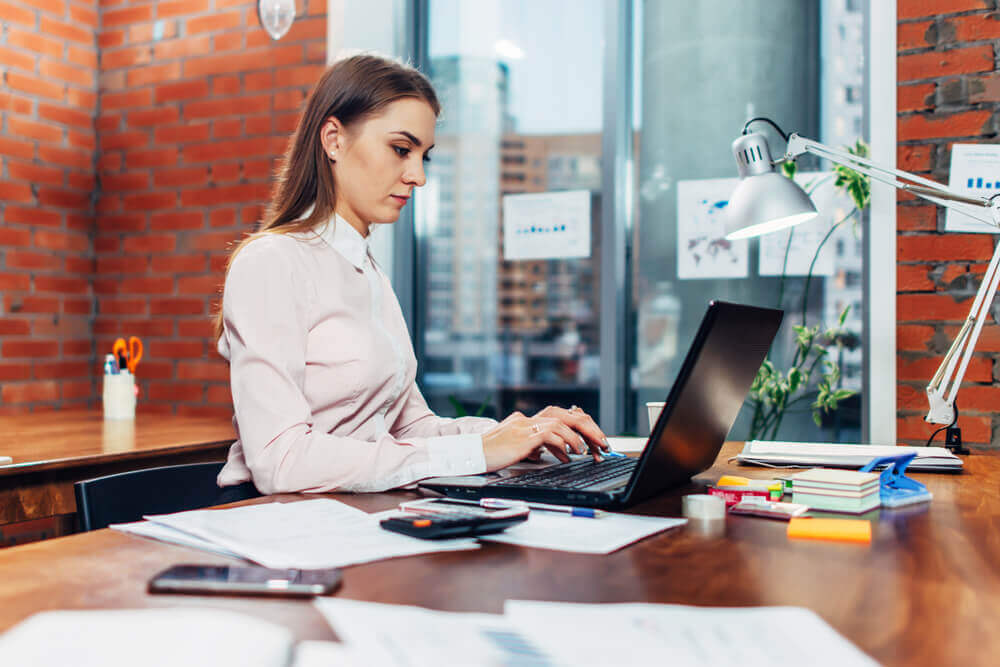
<point x="975" y="170"/>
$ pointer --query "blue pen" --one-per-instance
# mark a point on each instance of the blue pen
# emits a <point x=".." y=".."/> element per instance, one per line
<point x="500" y="503"/>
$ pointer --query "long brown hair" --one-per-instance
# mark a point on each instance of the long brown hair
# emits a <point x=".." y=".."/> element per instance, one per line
<point x="352" y="90"/>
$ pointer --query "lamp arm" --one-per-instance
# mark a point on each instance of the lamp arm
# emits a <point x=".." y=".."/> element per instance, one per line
<point x="903" y="180"/>
<point x="943" y="387"/>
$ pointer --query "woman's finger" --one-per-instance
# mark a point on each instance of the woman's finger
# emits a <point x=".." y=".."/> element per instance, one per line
<point x="588" y="428"/>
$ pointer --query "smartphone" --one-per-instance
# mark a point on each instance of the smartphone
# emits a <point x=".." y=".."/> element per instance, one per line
<point x="245" y="580"/>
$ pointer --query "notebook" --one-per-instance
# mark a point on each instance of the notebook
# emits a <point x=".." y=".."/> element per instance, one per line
<point x="701" y="407"/>
<point x="811" y="454"/>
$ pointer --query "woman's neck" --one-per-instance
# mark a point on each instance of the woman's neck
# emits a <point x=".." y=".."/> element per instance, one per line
<point x="363" y="228"/>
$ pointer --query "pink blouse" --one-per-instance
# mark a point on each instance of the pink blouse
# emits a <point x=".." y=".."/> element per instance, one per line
<point x="323" y="373"/>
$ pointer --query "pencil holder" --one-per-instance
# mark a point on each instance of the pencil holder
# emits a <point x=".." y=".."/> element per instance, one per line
<point x="119" y="396"/>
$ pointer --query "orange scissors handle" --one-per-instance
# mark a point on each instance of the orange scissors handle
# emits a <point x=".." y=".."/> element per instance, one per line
<point x="134" y="353"/>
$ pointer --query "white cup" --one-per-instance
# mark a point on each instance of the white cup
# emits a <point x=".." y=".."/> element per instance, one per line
<point x="119" y="396"/>
<point x="654" y="410"/>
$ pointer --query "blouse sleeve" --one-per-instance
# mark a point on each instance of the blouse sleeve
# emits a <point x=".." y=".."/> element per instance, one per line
<point x="266" y="325"/>
<point x="417" y="419"/>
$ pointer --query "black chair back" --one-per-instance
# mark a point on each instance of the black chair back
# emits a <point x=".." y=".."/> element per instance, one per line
<point x="128" y="496"/>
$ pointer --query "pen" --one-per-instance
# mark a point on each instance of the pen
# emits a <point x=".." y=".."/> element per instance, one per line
<point x="500" y="503"/>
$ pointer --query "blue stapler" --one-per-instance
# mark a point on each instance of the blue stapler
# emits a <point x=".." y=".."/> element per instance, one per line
<point x="897" y="489"/>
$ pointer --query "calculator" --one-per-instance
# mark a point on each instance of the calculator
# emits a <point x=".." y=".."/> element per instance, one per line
<point x="452" y="523"/>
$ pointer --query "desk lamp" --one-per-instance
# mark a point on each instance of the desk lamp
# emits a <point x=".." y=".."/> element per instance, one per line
<point x="765" y="201"/>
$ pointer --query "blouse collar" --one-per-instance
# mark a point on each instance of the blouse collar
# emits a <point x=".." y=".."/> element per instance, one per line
<point x="340" y="235"/>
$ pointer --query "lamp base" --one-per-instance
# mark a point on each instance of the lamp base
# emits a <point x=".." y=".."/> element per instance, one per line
<point x="953" y="441"/>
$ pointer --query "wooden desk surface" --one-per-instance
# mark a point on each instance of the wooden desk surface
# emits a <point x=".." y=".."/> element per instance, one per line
<point x="925" y="592"/>
<point x="51" y="450"/>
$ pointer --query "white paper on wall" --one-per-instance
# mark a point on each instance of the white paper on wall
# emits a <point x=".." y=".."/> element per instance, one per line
<point x="702" y="248"/>
<point x="546" y="225"/>
<point x="975" y="170"/>
<point x="832" y="205"/>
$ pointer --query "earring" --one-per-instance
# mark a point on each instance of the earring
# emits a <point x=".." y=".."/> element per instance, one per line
<point x="333" y="155"/>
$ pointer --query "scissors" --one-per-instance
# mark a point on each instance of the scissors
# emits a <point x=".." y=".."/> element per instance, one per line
<point x="131" y="352"/>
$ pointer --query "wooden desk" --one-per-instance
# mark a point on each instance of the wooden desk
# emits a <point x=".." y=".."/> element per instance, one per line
<point x="52" y="450"/>
<point x="925" y="592"/>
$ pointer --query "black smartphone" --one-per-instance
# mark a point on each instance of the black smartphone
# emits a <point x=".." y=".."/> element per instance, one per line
<point x="244" y="580"/>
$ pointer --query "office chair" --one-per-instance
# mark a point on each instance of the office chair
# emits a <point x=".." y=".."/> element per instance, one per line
<point x="127" y="496"/>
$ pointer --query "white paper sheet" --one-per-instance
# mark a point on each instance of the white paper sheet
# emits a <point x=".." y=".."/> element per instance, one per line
<point x="625" y="445"/>
<point x="307" y="534"/>
<point x="653" y="634"/>
<point x="559" y="633"/>
<point x="414" y="636"/>
<point x="160" y="533"/>
<point x="147" y="637"/>
<point x="4" y="460"/>
<point x="546" y="225"/>
<point x="975" y="170"/>
<point x="702" y="248"/>
<point x="336" y="654"/>
<point x="850" y="455"/>
<point x="601" y="535"/>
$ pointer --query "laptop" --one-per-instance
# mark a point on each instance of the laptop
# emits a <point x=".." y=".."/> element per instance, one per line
<point x="706" y="398"/>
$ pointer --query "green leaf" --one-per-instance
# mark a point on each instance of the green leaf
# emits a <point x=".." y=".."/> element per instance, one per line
<point x="788" y="168"/>
<point x="843" y="394"/>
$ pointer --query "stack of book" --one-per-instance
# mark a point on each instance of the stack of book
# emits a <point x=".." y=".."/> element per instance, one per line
<point x="837" y="490"/>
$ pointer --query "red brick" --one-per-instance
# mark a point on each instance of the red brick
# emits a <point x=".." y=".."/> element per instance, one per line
<point x="146" y="285"/>
<point x="62" y="369"/>
<point x="14" y="237"/>
<point x="15" y="281"/>
<point x="32" y="216"/>
<point x="247" y="61"/>
<point x="200" y="285"/>
<point x="110" y="39"/>
<point x="63" y="198"/>
<point x="66" y="157"/>
<point x="85" y="57"/>
<point x="67" y="73"/>
<point x="915" y="9"/>
<point x="77" y="306"/>
<point x="976" y="27"/>
<point x="30" y="129"/>
<point x="929" y="247"/>
<point x="175" y="264"/>
<point x="202" y="370"/>
<point x="141" y="33"/>
<point x="944" y="63"/>
<point x="183" y="90"/>
<point x="913" y="278"/>
<point x="16" y="148"/>
<point x="124" y="182"/>
<point x="216" y="393"/>
<point x="13" y="58"/>
<point x="29" y="392"/>
<point x="931" y="307"/>
<point x="912" y="35"/>
<point x="113" y="141"/>
<point x="909" y="397"/>
<point x="64" y="285"/>
<point x="202" y="410"/>
<point x="186" y="47"/>
<point x="80" y="265"/>
<point x="121" y="17"/>
<point x="181" y="176"/>
<point x="30" y="40"/>
<point x="230" y="194"/>
<point x="181" y="134"/>
<point x="214" y="22"/>
<point x="174" y="391"/>
<point x="127" y="100"/>
<point x="227" y="107"/>
<point x="149" y="201"/>
<point x="975" y="429"/>
<point x="177" y="220"/>
<point x="84" y="15"/>
<point x="38" y="304"/>
<point x="34" y="173"/>
<point x="115" y="306"/>
<point x="65" y="31"/>
<point x="226" y="86"/>
<point x="25" y="259"/>
<point x="964" y="124"/>
<point x="17" y="14"/>
<point x="65" y="116"/>
<point x="152" y="74"/>
<point x="33" y="85"/>
<point x="15" y="371"/>
<point x="53" y="240"/>
<point x="120" y="223"/>
<point x="222" y="217"/>
<point x="914" y="158"/>
<point x="150" y="243"/>
<point x="230" y="41"/>
<point x="922" y="369"/>
<point x="19" y="104"/>
<point x="915" y="97"/>
<point x="15" y="192"/>
<point x="75" y="390"/>
<point x="140" y="328"/>
<point x="177" y="306"/>
<point x="179" y="8"/>
<point x="30" y="348"/>
<point x="258" y="81"/>
<point x="120" y="264"/>
<point x="225" y="172"/>
<point x="166" y="157"/>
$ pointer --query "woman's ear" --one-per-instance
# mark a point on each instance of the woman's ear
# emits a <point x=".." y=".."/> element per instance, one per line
<point x="331" y="135"/>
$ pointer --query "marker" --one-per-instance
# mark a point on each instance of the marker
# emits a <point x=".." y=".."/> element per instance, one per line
<point x="501" y="504"/>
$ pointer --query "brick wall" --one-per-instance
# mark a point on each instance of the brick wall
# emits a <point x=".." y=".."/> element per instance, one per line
<point x="949" y="87"/>
<point x="196" y="103"/>
<point x="48" y="102"/>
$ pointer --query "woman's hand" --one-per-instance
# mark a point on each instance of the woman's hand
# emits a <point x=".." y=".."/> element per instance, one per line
<point x="518" y="437"/>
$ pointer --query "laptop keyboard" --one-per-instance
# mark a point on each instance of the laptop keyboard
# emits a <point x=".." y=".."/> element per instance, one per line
<point x="572" y="475"/>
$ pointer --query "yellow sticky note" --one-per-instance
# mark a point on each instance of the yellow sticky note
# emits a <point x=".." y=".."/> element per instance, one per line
<point x="841" y="530"/>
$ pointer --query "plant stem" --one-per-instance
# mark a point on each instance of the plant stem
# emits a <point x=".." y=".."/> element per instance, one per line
<point x="812" y="264"/>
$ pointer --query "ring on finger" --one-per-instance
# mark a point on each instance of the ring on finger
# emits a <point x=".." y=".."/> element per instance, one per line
<point x="535" y="428"/>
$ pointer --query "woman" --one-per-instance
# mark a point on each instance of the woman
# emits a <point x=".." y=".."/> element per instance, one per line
<point x="321" y="366"/>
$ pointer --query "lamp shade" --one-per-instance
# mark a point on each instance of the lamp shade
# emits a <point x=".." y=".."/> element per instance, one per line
<point x="764" y="201"/>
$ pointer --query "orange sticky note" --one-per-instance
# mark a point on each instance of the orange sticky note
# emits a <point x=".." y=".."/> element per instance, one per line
<point x="841" y="530"/>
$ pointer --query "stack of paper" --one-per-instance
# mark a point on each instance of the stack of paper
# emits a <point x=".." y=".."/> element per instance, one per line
<point x="557" y="633"/>
<point x="837" y="490"/>
<point x="309" y="534"/>
<point x="799" y="454"/>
